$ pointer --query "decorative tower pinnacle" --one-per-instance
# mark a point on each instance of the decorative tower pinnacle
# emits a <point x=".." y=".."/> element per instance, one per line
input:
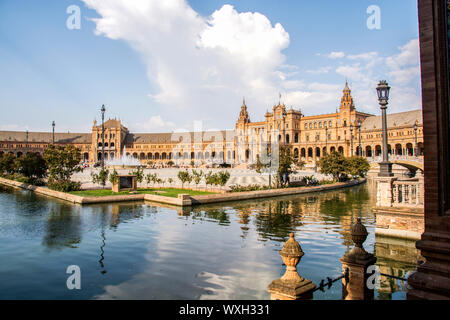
<point x="347" y="99"/>
<point x="243" y="115"/>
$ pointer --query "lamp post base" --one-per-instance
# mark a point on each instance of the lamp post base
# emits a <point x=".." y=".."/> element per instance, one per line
<point x="385" y="169"/>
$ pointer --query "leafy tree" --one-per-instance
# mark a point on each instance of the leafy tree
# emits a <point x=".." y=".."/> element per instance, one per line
<point x="334" y="164"/>
<point x="184" y="177"/>
<point x="114" y="177"/>
<point x="286" y="160"/>
<point x="170" y="181"/>
<point x="101" y="177"/>
<point x="63" y="162"/>
<point x="150" y="178"/>
<point x="209" y="178"/>
<point x="7" y="164"/>
<point x="139" y="173"/>
<point x="223" y="177"/>
<point x="197" y="176"/>
<point x="358" y="166"/>
<point x="170" y="163"/>
<point x="32" y="166"/>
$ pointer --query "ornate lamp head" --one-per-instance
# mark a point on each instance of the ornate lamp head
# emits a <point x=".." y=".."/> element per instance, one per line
<point x="383" y="92"/>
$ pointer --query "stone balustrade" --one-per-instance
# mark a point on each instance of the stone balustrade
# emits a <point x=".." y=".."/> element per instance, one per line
<point x="407" y="193"/>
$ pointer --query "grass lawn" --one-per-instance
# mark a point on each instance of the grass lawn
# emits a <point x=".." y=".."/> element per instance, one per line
<point x="166" y="192"/>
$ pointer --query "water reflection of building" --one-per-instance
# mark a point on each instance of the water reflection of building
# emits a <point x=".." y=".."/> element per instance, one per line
<point x="395" y="257"/>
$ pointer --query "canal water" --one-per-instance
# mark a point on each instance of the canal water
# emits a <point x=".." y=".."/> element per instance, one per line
<point x="149" y="251"/>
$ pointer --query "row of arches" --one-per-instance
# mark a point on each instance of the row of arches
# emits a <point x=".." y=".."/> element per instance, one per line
<point x="168" y="156"/>
<point x="399" y="149"/>
<point x="315" y="152"/>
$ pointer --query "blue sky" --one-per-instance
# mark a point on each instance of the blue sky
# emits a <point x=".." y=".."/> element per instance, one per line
<point x="159" y="67"/>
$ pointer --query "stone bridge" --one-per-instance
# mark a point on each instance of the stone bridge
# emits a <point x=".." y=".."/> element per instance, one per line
<point x="412" y="163"/>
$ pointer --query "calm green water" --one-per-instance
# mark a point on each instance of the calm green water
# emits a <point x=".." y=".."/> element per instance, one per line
<point x="145" y="251"/>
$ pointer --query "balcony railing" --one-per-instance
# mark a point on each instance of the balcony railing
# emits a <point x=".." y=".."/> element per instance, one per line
<point x="407" y="193"/>
<point x="377" y="159"/>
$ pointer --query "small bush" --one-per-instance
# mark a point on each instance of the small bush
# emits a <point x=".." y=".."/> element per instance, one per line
<point x="254" y="187"/>
<point x="64" y="185"/>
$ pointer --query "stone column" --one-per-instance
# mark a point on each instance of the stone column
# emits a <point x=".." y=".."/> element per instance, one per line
<point x="357" y="262"/>
<point x="291" y="286"/>
<point x="384" y="191"/>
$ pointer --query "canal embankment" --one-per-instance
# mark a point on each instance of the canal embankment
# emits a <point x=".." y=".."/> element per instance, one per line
<point x="182" y="199"/>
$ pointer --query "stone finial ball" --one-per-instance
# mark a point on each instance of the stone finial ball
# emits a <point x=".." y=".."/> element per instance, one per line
<point x="359" y="233"/>
<point x="291" y="248"/>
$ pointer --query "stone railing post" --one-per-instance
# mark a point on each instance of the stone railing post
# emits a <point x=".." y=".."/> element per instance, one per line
<point x="357" y="261"/>
<point x="385" y="191"/>
<point x="291" y="286"/>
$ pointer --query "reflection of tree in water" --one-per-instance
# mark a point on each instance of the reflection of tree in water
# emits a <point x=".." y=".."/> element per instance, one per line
<point x="343" y="208"/>
<point x="214" y="214"/>
<point x="63" y="226"/>
<point x="277" y="219"/>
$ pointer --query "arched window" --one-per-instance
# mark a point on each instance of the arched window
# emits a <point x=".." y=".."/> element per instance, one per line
<point x="296" y="138"/>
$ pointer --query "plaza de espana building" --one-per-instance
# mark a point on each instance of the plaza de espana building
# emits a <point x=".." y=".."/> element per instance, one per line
<point x="310" y="137"/>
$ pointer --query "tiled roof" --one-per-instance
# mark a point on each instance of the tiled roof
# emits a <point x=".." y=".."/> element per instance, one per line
<point x="45" y="137"/>
<point x="400" y="119"/>
<point x="167" y="137"/>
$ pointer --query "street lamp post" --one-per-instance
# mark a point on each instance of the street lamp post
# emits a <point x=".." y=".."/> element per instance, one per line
<point x="53" y="132"/>
<point x="359" y="133"/>
<point x="351" y="138"/>
<point x="383" y="97"/>
<point x="103" y="109"/>
<point x="26" y="145"/>
<point x="415" y="140"/>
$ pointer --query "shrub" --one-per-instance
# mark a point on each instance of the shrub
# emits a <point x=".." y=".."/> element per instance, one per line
<point x="254" y="187"/>
<point x="62" y="161"/>
<point x="32" y="166"/>
<point x="7" y="164"/>
<point x="334" y="164"/>
<point x="64" y="185"/>
<point x="358" y="166"/>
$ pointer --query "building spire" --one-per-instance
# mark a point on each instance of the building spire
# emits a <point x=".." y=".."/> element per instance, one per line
<point x="347" y="99"/>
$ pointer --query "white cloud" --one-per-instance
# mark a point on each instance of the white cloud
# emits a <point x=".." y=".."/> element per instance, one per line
<point x="363" y="56"/>
<point x="405" y="65"/>
<point x="402" y="70"/>
<point x="336" y="55"/>
<point x="153" y="124"/>
<point x="199" y="65"/>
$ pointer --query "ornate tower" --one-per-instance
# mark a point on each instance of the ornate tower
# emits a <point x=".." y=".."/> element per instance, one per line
<point x="347" y="99"/>
<point x="243" y="115"/>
